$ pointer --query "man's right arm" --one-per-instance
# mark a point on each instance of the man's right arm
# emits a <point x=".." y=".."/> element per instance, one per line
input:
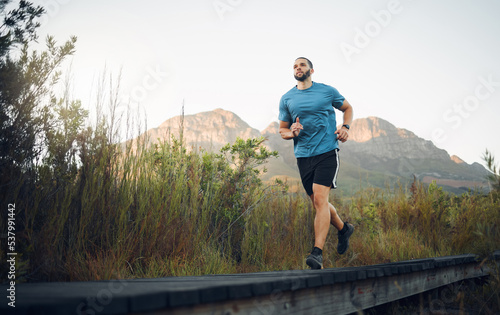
<point x="288" y="132"/>
<point x="285" y="131"/>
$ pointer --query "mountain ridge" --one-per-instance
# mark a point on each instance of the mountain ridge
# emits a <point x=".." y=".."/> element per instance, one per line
<point x="376" y="149"/>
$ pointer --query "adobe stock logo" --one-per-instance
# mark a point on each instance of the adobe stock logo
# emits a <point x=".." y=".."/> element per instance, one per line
<point x="52" y="9"/>
<point x="363" y="37"/>
<point x="224" y="6"/>
<point x="97" y="303"/>
<point x="455" y="115"/>
<point x="126" y="111"/>
<point x="152" y="80"/>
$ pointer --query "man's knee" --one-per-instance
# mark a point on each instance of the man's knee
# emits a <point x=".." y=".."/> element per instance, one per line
<point x="320" y="198"/>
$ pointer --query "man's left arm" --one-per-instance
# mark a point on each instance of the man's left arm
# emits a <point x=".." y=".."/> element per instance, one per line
<point x="343" y="132"/>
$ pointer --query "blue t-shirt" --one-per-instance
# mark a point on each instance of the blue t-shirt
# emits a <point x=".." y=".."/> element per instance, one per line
<point x="315" y="108"/>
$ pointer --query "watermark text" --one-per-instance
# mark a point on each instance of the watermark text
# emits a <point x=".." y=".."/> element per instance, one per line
<point x="11" y="254"/>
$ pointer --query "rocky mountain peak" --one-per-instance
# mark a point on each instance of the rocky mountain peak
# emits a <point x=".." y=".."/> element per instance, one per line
<point x="365" y="129"/>
<point x="457" y="160"/>
<point x="378" y="138"/>
<point x="210" y="130"/>
<point x="272" y="129"/>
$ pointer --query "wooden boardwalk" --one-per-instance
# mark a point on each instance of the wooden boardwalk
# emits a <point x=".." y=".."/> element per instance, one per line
<point x="327" y="291"/>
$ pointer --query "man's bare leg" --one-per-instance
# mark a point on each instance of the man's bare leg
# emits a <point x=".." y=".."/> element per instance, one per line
<point x="335" y="219"/>
<point x="323" y="214"/>
<point x="326" y="214"/>
<point x="319" y="226"/>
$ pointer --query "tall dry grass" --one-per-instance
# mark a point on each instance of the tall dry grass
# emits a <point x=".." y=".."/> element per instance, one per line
<point x="139" y="211"/>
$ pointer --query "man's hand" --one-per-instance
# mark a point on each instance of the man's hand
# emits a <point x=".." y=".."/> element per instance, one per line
<point x="342" y="133"/>
<point x="296" y="127"/>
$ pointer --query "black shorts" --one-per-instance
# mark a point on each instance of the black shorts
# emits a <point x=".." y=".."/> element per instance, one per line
<point x="320" y="169"/>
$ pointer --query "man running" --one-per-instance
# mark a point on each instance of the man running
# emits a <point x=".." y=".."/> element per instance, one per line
<point x="307" y="115"/>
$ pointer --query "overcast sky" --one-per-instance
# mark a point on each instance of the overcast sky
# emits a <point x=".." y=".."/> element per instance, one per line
<point x="431" y="67"/>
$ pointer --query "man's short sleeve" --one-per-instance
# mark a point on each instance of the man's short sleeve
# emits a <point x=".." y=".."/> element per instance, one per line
<point x="338" y="99"/>
<point x="284" y="114"/>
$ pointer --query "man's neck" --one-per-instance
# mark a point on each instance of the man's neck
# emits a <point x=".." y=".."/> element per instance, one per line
<point x="304" y="85"/>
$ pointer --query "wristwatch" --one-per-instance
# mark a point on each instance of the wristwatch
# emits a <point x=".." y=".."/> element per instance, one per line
<point x="347" y="126"/>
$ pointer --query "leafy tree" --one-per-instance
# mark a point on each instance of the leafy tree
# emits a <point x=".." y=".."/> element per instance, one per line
<point x="19" y="25"/>
<point x="243" y="184"/>
<point x="27" y="122"/>
<point x="242" y="189"/>
<point x="38" y="131"/>
<point x="62" y="138"/>
<point x="17" y="124"/>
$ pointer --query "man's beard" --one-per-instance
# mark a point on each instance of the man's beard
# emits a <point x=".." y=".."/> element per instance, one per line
<point x="304" y="76"/>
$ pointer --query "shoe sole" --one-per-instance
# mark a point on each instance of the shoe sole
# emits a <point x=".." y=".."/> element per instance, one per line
<point x="348" y="237"/>
<point x="313" y="263"/>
